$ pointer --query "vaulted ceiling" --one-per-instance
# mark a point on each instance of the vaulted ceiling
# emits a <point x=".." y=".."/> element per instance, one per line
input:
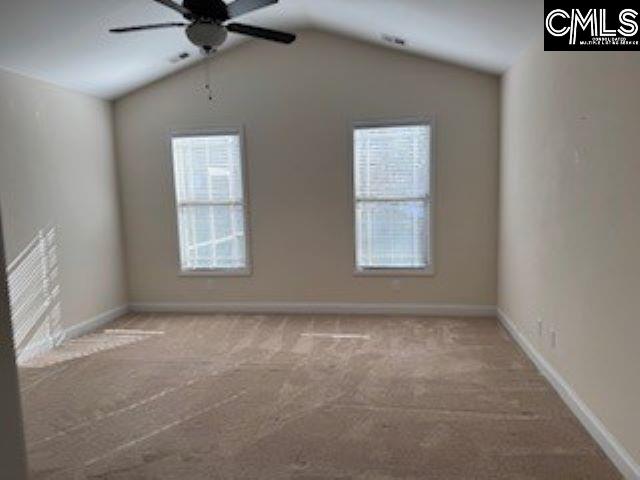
<point x="66" y="42"/>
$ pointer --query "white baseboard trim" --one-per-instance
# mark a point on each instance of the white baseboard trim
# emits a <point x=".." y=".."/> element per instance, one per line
<point x="614" y="450"/>
<point x="74" y="331"/>
<point x="320" y="308"/>
<point x="94" y="323"/>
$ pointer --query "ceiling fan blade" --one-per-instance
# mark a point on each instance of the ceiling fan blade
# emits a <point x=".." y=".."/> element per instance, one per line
<point x="153" y="26"/>
<point x="240" y="7"/>
<point x="174" y="6"/>
<point x="264" y="33"/>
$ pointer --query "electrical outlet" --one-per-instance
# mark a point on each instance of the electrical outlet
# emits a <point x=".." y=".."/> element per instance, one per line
<point x="396" y="285"/>
<point x="553" y="338"/>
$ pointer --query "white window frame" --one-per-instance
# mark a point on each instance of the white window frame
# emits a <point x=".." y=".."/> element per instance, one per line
<point x="214" y="272"/>
<point x="429" y="241"/>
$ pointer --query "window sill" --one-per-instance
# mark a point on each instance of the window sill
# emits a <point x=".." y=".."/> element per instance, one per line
<point x="395" y="272"/>
<point x="242" y="272"/>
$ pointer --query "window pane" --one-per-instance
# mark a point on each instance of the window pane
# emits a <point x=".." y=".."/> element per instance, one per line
<point x="207" y="168"/>
<point x="392" y="188"/>
<point x="212" y="237"/>
<point x="391" y="234"/>
<point x="392" y="162"/>
<point x="208" y="180"/>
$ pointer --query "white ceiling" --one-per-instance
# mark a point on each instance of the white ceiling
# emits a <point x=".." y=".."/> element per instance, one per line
<point x="66" y="42"/>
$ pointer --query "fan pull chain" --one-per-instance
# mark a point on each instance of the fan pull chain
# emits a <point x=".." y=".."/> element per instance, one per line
<point x="207" y="84"/>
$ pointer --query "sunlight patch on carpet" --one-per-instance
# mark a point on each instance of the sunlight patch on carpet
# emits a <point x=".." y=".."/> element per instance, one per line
<point x="89" y="345"/>
<point x="338" y="336"/>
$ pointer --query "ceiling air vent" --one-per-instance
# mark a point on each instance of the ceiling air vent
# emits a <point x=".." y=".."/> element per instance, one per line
<point x="401" y="42"/>
<point x="180" y="57"/>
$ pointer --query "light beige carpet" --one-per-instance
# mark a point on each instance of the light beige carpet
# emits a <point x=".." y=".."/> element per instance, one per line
<point x="306" y="397"/>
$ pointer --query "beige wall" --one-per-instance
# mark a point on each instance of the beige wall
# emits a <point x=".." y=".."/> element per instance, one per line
<point x="57" y="171"/>
<point x="296" y="104"/>
<point x="570" y="223"/>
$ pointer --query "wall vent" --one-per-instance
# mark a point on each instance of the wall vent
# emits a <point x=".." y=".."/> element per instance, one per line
<point x="394" y="40"/>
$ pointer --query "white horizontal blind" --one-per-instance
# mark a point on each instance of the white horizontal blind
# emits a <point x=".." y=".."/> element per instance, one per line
<point x="210" y="201"/>
<point x="392" y="196"/>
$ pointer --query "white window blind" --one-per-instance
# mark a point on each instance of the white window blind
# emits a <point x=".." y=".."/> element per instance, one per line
<point x="392" y="196"/>
<point x="210" y="201"/>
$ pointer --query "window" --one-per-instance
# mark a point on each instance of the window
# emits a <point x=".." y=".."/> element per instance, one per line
<point x="392" y="189"/>
<point x="210" y="201"/>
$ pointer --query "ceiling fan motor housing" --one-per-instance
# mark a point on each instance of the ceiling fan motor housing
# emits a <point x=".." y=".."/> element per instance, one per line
<point x="207" y="9"/>
<point x="207" y="35"/>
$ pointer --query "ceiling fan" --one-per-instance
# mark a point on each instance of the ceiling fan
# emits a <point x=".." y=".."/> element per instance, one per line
<point x="206" y="25"/>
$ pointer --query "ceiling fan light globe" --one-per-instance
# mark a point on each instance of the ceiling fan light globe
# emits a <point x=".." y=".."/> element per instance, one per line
<point x="209" y="35"/>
